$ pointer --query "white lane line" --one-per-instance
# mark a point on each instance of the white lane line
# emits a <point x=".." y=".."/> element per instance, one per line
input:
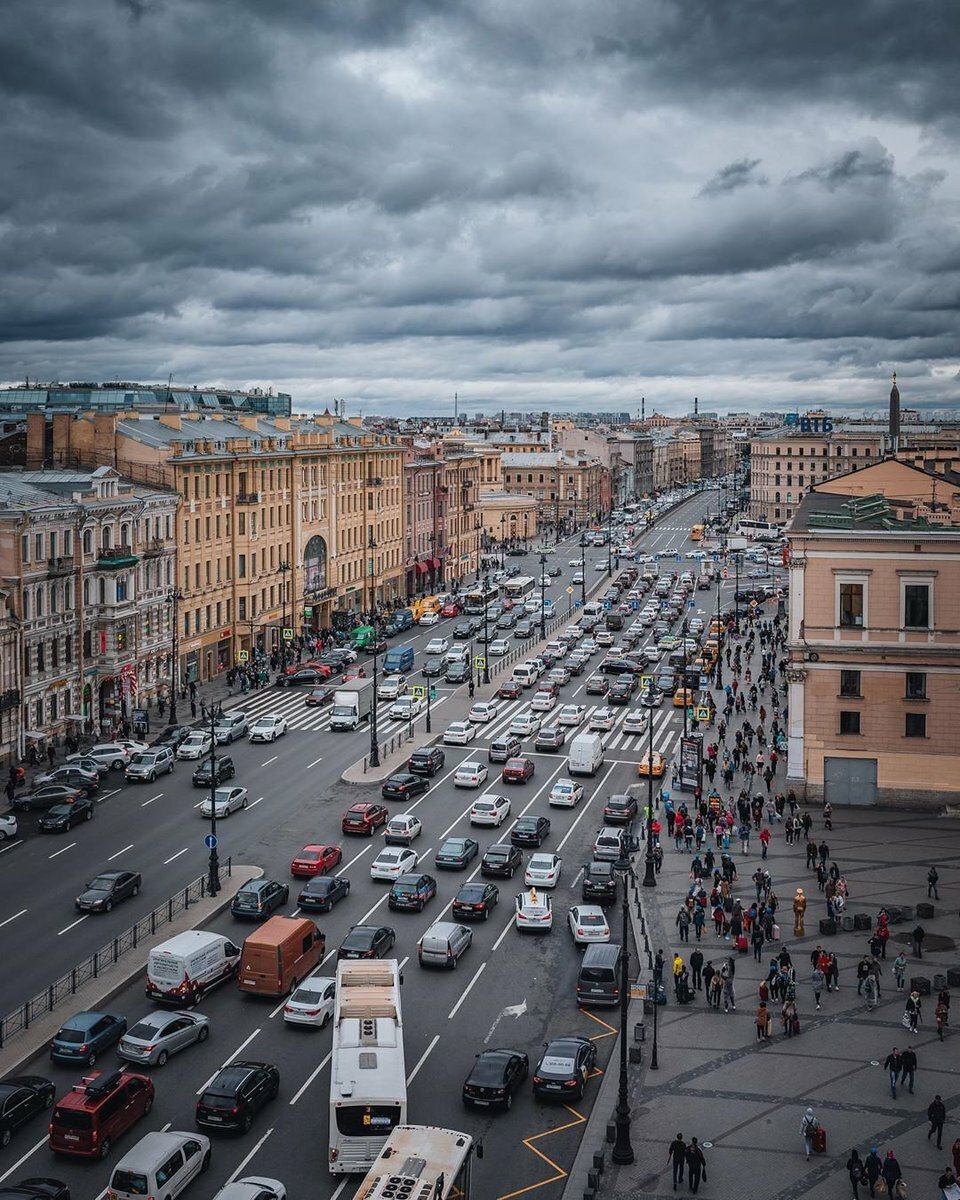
<point x="10" y="845"/>
<point x="67" y="928"/>
<point x="311" y="1077"/>
<point x="20" y="1161"/>
<point x="506" y="930"/>
<point x="466" y="992"/>
<point x="13" y="918"/>
<point x="62" y="850"/>
<point x="314" y="763"/>
<point x="240" y="1165"/>
<point x="123" y="851"/>
<point x="177" y="855"/>
<point x="151" y="800"/>
<point x="255" y="802"/>
<point x="227" y="1061"/>
<point x="270" y="760"/>
<point x="357" y="857"/>
<point x="340" y="1186"/>
<point x="423" y="1058"/>
<point x="107" y="795"/>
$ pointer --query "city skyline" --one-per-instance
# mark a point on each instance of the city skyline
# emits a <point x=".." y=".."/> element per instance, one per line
<point x="539" y="207"/>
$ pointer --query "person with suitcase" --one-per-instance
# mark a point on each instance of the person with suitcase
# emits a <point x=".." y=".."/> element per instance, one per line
<point x="808" y="1127"/>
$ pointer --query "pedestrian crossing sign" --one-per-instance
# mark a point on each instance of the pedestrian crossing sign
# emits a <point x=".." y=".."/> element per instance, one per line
<point x="479" y="662"/>
<point x="703" y="713"/>
<point x="646" y="681"/>
<point x="243" y="656"/>
<point x="418" y="691"/>
<point x="288" y="635"/>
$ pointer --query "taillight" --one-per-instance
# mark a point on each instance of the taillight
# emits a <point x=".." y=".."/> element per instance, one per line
<point x="84" y="1048"/>
<point x="569" y="1083"/>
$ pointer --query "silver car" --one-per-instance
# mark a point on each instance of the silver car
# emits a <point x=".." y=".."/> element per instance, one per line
<point x="161" y="1033"/>
<point x="227" y="800"/>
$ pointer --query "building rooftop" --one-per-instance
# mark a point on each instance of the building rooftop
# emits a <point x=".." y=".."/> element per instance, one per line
<point x="825" y="512"/>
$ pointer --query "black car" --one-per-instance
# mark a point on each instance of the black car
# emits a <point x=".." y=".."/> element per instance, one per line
<point x="404" y="786"/>
<point x="621" y="692"/>
<point x="502" y="749"/>
<point x="530" y="831"/>
<point x="22" y="1097"/>
<point x="523" y="629"/>
<point x="475" y="900"/>
<point x="322" y="892"/>
<point x="554" y="572"/>
<point x="411" y="892"/>
<point x="46" y="797"/>
<point x="463" y="631"/>
<point x="507" y="621"/>
<point x="256" y="900"/>
<point x="304" y="677"/>
<point x="501" y="860"/>
<point x="576" y="665"/>
<point x="620" y="810"/>
<point x="64" y="816"/>
<point x="550" y="737"/>
<point x="563" y="1067"/>
<point x="599" y="882"/>
<point x="494" y="1077"/>
<point x="456" y="853"/>
<point x="172" y="736"/>
<point x="434" y="666"/>
<point x="457" y="672"/>
<point x="367" y="941"/>
<point x="74" y="776"/>
<point x="517" y="553"/>
<point x="427" y="761"/>
<point x="108" y="889"/>
<point x="223" y="769"/>
<point x="236" y="1094"/>
<point x="35" y="1188"/>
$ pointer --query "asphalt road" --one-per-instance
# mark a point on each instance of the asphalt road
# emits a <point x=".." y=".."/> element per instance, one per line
<point x="296" y="798"/>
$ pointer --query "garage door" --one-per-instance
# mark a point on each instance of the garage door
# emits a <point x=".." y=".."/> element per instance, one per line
<point x="850" y="780"/>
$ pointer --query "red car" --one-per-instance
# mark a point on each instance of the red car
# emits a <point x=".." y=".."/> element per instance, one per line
<point x="315" y="860"/>
<point x="450" y="610"/>
<point x="323" y="669"/>
<point x="518" y="770"/>
<point x="509" y="691"/>
<point x="364" y="818"/>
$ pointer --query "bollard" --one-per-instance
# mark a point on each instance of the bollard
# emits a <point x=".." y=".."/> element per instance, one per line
<point x="593" y="1180"/>
<point x="649" y="960"/>
<point x="611" y="1132"/>
<point x="598" y="1161"/>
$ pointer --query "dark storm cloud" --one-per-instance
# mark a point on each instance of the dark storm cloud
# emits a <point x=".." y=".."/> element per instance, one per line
<point x="541" y="203"/>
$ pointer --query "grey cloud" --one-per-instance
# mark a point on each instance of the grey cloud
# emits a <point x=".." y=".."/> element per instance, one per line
<point x="734" y="176"/>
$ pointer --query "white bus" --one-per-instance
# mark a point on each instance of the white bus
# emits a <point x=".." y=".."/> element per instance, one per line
<point x="759" y="530"/>
<point x="422" y="1162"/>
<point x="368" y="1078"/>
<point x="517" y="589"/>
<point x="477" y="598"/>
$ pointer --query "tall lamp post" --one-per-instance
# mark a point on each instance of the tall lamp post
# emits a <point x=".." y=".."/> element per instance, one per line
<point x="486" y="635"/>
<point x="543" y="591"/>
<point x="583" y="568"/>
<point x="174" y="596"/>
<point x="622" y="1149"/>
<point x="719" y="676"/>
<point x="649" y="865"/>
<point x="374" y="744"/>
<point x="610" y="538"/>
<point x="213" y="867"/>
<point x="683" y="628"/>
<point x="282" y="569"/>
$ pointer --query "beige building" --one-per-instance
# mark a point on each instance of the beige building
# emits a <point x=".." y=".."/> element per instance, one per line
<point x="9" y="681"/>
<point x="874" y="646"/>
<point x="442" y="523"/>
<point x="568" y="489"/>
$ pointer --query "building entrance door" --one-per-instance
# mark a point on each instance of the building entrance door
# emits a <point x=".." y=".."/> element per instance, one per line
<point x="850" y="781"/>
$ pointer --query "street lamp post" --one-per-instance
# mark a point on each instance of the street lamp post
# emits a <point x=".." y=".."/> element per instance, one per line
<point x="649" y="872"/>
<point x="174" y="596"/>
<point x="282" y="570"/>
<point x="213" y="868"/>
<point x="683" y="628"/>
<point x="736" y="592"/>
<point x="583" y="568"/>
<point x="486" y="636"/>
<point x="719" y="676"/>
<point x="543" y="591"/>
<point x="374" y="744"/>
<point x="610" y="538"/>
<point x="623" y="1150"/>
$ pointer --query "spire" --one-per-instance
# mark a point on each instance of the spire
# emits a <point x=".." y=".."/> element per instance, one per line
<point x="894" y="416"/>
<point x="696" y="404"/>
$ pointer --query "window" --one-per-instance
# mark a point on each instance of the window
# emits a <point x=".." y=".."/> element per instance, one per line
<point x="916" y="605"/>
<point x="849" y="722"/>
<point x="851" y="604"/>
<point x="25" y="547"/>
<point x="915" y="725"/>
<point x="849" y="683"/>
<point x="916" y="685"/>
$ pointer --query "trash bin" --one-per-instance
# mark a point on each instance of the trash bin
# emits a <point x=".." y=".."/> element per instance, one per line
<point x="639" y="1032"/>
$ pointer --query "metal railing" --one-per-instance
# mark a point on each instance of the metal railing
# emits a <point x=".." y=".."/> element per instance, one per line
<point x="20" y="1019"/>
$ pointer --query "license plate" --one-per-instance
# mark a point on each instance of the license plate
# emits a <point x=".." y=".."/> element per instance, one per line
<point x="482" y="1103"/>
<point x="553" y="1087"/>
<point x="214" y="1119"/>
<point x="71" y="1137"/>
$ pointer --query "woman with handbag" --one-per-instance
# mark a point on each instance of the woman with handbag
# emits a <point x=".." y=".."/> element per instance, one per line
<point x="892" y="1175"/>
<point x="856" y="1171"/>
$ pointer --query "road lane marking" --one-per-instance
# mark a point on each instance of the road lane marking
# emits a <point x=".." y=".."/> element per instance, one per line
<point x="13" y="918"/>
<point x="123" y="851"/>
<point x="466" y="992"/>
<point x="243" y="1162"/>
<point x="67" y="928"/>
<point x="585" y="808"/>
<point x="423" y="1058"/>
<point x="340" y="1186"/>
<point x="107" y="795"/>
<point x="506" y="929"/>
<point x="177" y="855"/>
<point x="255" y="803"/>
<point x="20" y="1161"/>
<point x="314" y="763"/>
<point x="311" y="1077"/>
<point x="227" y="1061"/>
<point x="512" y="1010"/>
<point x="151" y="800"/>
<point x="62" y="850"/>
<point x="10" y="845"/>
<point x="356" y="858"/>
<point x="270" y="760"/>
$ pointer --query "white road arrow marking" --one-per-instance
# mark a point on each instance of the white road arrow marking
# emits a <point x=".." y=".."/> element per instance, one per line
<point x="512" y="1010"/>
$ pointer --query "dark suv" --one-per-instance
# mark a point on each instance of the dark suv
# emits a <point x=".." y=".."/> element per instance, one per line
<point x="427" y="761"/>
<point x="222" y="771"/>
<point x="599" y="882"/>
<point x="236" y="1094"/>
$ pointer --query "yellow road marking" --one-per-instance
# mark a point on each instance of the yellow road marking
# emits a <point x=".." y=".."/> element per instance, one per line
<point x="560" y="1172"/>
<point x="610" y="1030"/>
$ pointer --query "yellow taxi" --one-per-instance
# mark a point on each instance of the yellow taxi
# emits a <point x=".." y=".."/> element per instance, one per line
<point x="656" y="761"/>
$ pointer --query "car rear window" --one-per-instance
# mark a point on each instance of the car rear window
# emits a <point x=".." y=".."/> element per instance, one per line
<point x="72" y="1118"/>
<point x="70" y="1035"/>
<point x="129" y="1181"/>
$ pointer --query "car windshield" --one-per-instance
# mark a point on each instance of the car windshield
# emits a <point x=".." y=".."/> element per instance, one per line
<point x="100" y="885"/>
<point x="139" y="760"/>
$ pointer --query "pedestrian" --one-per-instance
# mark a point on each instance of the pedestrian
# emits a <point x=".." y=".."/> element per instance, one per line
<point x="818" y="979"/>
<point x="947" y="1180"/>
<point x="699" y="919"/>
<point x="757" y="940"/>
<point x="943" y="1018"/>
<point x="900" y="970"/>
<point x="808" y="1126"/>
<point x="918" y="935"/>
<point x="678" y="969"/>
<point x="856" y="1171"/>
<point x="871" y="993"/>
<point x="726" y="976"/>
<point x="833" y="974"/>
<point x="933" y="877"/>
<point x="764" y="841"/>
<point x="892" y="1064"/>
<point x="891" y="1175"/>
<point x="696" y="966"/>
<point x="683" y="923"/>
<point x="677" y="1155"/>
<point x="912" y="1011"/>
<point x="658" y="968"/>
<point x="908" y="1066"/>
<point x="763" y="1022"/>
<point x="696" y="1165"/>
<point x="955" y="1154"/>
<point x="936" y="1115"/>
<point x="193" y="709"/>
<point x="873" y="1167"/>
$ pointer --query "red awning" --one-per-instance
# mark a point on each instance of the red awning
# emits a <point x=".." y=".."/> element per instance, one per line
<point x="436" y="564"/>
<point x="421" y="568"/>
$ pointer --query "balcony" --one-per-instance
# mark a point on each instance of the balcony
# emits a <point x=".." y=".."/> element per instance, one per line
<point x="374" y="481"/>
<point x="116" y="558"/>
<point x="248" y="497"/>
<point x="154" y="548"/>
<point x="63" y="564"/>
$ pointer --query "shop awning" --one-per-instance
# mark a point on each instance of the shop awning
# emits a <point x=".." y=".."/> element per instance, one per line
<point x="34" y="735"/>
<point x="436" y="564"/>
<point x="422" y="568"/>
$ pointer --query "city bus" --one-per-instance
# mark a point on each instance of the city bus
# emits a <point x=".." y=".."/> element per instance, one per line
<point x="422" y="1162"/>
<point x="758" y="530"/>
<point x="366" y="1106"/>
<point x="696" y="533"/>
<point x="477" y="598"/>
<point x="519" y="588"/>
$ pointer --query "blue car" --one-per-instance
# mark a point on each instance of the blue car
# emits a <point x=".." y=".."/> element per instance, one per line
<point x="411" y="892"/>
<point x="85" y="1036"/>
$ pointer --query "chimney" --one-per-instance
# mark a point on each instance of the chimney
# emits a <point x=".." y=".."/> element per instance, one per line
<point x="36" y="440"/>
<point x="643" y="408"/>
<point x="894" y="417"/>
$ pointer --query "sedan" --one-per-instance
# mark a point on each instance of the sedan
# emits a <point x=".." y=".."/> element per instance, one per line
<point x="543" y="701"/>
<point x="651" y="698"/>
<point x="73" y="775"/>
<point x="450" y="609"/>
<point x="429" y="619"/>
<point x="310" y="1004"/>
<point x="509" y="690"/>
<point x="267" y="729"/>
<point x="494" y="1077"/>
<point x="543" y="870"/>
<point x="483" y="711"/>
<point x="459" y="733"/>
<point x="635" y="721"/>
<point x="501" y="860"/>
<point x="404" y="786"/>
<point x="195" y="746"/>
<point x="322" y="893"/>
<point x="363" y="818"/>
<point x="8" y="826"/>
<point x="258" y="899"/>
<point x="463" y="631"/>
<point x="601" y="720"/>
<point x="498" y="648"/>
<point x="504" y="748"/>
<point x="437" y="645"/>
<point x="564" y="1066"/>
<point x="620" y="810"/>
<point x="524" y="725"/>
<point x="530" y="831"/>
<point x="107" y="889"/>
<point x="161" y="1033"/>
<point x="476" y="899"/>
<point x="652" y="764"/>
<point x="456" y="853"/>
<point x="64" y="816"/>
<point x="411" y="891"/>
<point x="588" y="924"/>
<point x="550" y="737"/>
<point x="319" y="697"/>
<point x="22" y="1097"/>
<point x="565" y="793"/>
<point x="367" y="941"/>
<point x="226" y="800"/>
<point x="401" y="829"/>
<point x="393" y="862"/>
<point x="518" y="770"/>
<point x="46" y="797"/>
<point x="470" y="774"/>
<point x="490" y="809"/>
<point x="315" y="860"/>
<point x="571" y="714"/>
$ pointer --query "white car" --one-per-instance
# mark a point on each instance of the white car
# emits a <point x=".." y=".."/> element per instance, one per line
<point x="543" y="870"/>
<point x="573" y="562"/>
<point x="651" y="698"/>
<point x="544" y="581"/>
<point x="543" y="701"/>
<point x="253" y="1187"/>
<point x="401" y="829"/>
<point x="133" y="747"/>
<point x="600" y="566"/>
<point x="490" y="809"/>
<point x="601" y="720"/>
<point x="613" y="653"/>
<point x="524" y="725"/>
<point x="268" y="728"/>
<point x="459" y="733"/>
<point x="438" y="645"/>
<point x="392" y="687"/>
<point x="588" y="924"/>
<point x="558" y="649"/>
<point x="312" y="1002"/>
<point x="406" y="708"/>
<point x="227" y="801"/>
<point x="429" y="618"/>
<point x="470" y="774"/>
<point x="393" y="862"/>
<point x="498" y="648"/>
<point x="8" y="826"/>
<point x="588" y="646"/>
<point x="483" y="711"/>
<point x="571" y="714"/>
<point x="565" y="793"/>
<point x="696" y="554"/>
<point x="635" y="721"/>
<point x="603" y="637"/>
<point x="195" y="746"/>
<point x="533" y="912"/>
<point x="578" y="578"/>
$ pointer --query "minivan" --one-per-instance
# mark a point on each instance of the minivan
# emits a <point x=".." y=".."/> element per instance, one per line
<point x="398" y="660"/>
<point x="282" y="952"/>
<point x="148" y="764"/>
<point x="586" y="754"/>
<point x="184" y="968"/>
<point x="160" y="1164"/>
<point x="525" y="675"/>
<point x="97" y="1110"/>
<point x="443" y="943"/>
<point x="599" y="979"/>
<point x="609" y="845"/>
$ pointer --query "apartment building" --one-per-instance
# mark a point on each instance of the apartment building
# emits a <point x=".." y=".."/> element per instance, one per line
<point x="9" y="681"/>
<point x="442" y="523"/>
<point x="568" y="489"/>
<point x="874" y="646"/>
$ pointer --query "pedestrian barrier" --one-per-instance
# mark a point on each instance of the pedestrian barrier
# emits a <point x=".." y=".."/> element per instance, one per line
<point x="20" y="1019"/>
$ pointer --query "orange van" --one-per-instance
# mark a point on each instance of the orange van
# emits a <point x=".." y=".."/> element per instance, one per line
<point x="279" y="955"/>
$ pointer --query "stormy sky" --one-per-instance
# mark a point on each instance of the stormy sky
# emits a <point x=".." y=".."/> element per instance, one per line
<point x="555" y="204"/>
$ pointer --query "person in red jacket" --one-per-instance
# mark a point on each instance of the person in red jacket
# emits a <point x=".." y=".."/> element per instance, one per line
<point x="764" y="841"/>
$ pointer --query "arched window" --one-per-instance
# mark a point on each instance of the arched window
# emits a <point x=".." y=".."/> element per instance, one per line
<point x="26" y="604"/>
<point x="106" y="537"/>
<point x="88" y="541"/>
<point x="53" y="598"/>
<point x="102" y="591"/>
<point x="68" y="595"/>
<point x="86" y="592"/>
<point x="125" y="534"/>
<point x="39" y="601"/>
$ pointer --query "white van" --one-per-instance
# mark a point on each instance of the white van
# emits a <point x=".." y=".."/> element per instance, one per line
<point x="183" y="968"/>
<point x="160" y="1164"/>
<point x="525" y="675"/>
<point x="586" y="754"/>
